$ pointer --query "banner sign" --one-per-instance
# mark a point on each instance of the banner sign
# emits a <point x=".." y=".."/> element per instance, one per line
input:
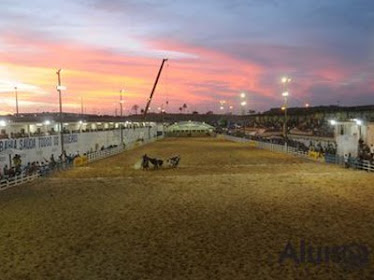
<point x="36" y="142"/>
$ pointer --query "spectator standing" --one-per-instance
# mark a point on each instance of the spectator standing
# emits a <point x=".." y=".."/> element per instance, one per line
<point x="346" y="161"/>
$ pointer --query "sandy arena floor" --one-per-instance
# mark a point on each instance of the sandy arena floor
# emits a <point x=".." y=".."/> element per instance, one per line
<point x="226" y="213"/>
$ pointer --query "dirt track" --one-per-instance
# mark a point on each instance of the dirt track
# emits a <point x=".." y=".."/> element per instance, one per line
<point x="226" y="213"/>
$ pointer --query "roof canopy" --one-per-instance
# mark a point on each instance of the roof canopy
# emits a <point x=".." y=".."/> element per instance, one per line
<point x="190" y="126"/>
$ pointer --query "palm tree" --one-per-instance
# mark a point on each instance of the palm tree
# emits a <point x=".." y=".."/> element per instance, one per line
<point x="180" y="109"/>
<point x="184" y="107"/>
<point x="135" y="108"/>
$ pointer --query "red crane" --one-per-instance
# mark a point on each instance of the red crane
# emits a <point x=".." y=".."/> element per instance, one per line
<point x="154" y="88"/>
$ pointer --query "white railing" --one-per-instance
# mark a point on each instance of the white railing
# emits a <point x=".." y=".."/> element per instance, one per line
<point x="104" y="154"/>
<point x="335" y="159"/>
<point x="17" y="180"/>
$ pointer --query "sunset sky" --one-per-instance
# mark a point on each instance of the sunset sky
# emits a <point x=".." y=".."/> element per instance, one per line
<point x="216" y="49"/>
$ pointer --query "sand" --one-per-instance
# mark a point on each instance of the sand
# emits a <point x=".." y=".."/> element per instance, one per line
<point x="227" y="212"/>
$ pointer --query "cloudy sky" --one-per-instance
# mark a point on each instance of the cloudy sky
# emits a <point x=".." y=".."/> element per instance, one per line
<point x="216" y="49"/>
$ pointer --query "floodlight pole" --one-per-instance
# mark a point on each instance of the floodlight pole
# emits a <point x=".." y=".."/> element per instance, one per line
<point x="60" y="102"/>
<point x="16" y="92"/>
<point x="121" y="114"/>
<point x="285" y="81"/>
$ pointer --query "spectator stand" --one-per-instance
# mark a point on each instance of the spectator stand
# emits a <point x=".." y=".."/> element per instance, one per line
<point x="32" y="171"/>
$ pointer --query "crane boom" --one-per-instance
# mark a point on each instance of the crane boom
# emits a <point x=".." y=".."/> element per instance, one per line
<point x="154" y="88"/>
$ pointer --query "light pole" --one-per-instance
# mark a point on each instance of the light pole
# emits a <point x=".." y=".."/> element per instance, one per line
<point x="285" y="82"/>
<point x="243" y="103"/>
<point x="121" y="114"/>
<point x="16" y="92"/>
<point x="121" y="102"/>
<point x="59" y="89"/>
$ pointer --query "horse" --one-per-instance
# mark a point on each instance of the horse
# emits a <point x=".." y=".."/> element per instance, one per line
<point x="155" y="162"/>
<point x="174" y="161"/>
<point x="145" y="162"/>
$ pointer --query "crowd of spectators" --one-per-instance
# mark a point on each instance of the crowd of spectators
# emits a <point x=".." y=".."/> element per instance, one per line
<point x="330" y="148"/>
<point x="365" y="152"/>
<point x="44" y="167"/>
<point x="320" y="128"/>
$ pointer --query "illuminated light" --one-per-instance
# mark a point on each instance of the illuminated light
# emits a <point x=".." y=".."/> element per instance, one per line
<point x="221" y="108"/>
<point x="286" y="80"/>
<point x="98" y="123"/>
<point x="61" y="87"/>
<point x="80" y="122"/>
<point x="243" y="103"/>
<point x="39" y="124"/>
<point x="333" y="122"/>
<point x="285" y="94"/>
<point x="47" y="122"/>
<point x="283" y="108"/>
<point x="66" y="123"/>
<point x="242" y="95"/>
<point x="307" y="105"/>
<point x="358" y="122"/>
<point x="2" y="123"/>
<point x="231" y="107"/>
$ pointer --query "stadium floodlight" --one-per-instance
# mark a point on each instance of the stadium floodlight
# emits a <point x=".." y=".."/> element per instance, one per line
<point x="333" y="122"/>
<point x="358" y="122"/>
<point x="2" y="123"/>
<point x="242" y="95"/>
<point x="47" y="122"/>
<point x="307" y="105"/>
<point x="80" y="122"/>
<point x="243" y="103"/>
<point x="286" y="80"/>
<point x="285" y="94"/>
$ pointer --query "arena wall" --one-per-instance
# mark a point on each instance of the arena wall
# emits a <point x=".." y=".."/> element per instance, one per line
<point x="41" y="148"/>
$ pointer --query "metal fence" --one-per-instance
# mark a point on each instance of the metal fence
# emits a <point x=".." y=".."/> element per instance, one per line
<point x="326" y="158"/>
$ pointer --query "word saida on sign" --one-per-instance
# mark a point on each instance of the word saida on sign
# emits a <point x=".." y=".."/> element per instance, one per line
<point x="30" y="143"/>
